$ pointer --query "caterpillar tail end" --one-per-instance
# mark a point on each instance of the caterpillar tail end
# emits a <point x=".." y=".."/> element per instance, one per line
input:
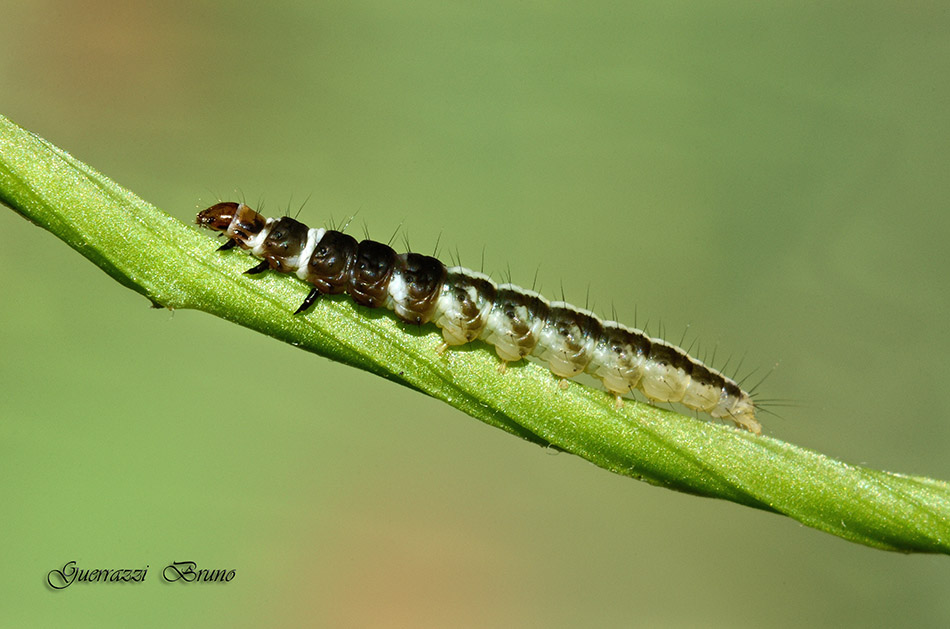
<point x="747" y="421"/>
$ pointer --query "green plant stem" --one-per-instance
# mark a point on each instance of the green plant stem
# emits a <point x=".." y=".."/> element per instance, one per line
<point x="177" y="267"/>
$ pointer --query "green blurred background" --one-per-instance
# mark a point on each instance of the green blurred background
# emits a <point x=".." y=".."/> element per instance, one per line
<point x="775" y="176"/>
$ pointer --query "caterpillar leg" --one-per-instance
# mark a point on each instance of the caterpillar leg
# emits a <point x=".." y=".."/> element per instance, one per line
<point x="309" y="301"/>
<point x="260" y="268"/>
<point x="228" y="245"/>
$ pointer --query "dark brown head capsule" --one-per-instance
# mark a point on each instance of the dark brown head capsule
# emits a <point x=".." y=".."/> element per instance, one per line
<point x="217" y="217"/>
<point x="239" y="222"/>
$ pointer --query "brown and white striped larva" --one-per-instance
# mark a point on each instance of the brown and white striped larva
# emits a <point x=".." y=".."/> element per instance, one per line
<point x="468" y="305"/>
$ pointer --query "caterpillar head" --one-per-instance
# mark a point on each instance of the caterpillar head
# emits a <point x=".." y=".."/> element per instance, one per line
<point x="218" y="217"/>
<point x="236" y="220"/>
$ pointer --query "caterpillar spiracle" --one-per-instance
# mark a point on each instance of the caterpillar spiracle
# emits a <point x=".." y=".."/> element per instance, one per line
<point x="468" y="305"/>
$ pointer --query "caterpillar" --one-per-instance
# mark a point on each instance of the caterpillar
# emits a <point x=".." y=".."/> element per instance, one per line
<point x="467" y="305"/>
